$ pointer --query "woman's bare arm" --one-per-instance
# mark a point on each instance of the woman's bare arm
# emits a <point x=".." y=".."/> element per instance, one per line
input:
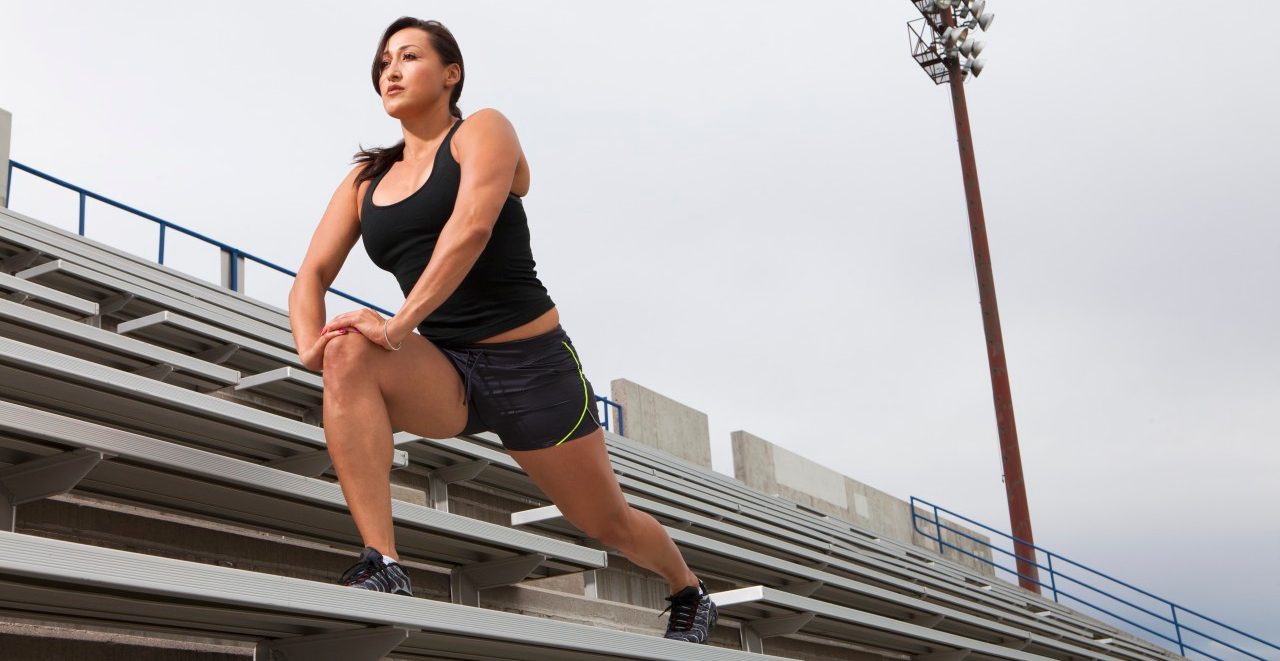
<point x="337" y="232"/>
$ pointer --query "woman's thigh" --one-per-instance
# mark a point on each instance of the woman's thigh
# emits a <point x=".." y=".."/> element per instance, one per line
<point x="420" y="386"/>
<point x="578" y="478"/>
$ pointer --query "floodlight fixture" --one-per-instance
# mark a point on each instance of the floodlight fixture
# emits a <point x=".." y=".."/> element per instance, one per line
<point x="972" y="47"/>
<point x="984" y="21"/>
<point x="974" y="67"/>
<point x="954" y="36"/>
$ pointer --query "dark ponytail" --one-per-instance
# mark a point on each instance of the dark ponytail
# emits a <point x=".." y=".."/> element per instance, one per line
<point x="379" y="159"/>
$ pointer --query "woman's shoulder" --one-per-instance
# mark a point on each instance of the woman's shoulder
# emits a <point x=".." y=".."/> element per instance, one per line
<point x="485" y="115"/>
<point x="486" y="128"/>
<point x="488" y="121"/>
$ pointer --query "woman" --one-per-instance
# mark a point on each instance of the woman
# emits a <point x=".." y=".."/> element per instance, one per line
<point x="442" y="211"/>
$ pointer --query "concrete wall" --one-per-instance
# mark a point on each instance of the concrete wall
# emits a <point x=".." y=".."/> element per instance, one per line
<point x="663" y="423"/>
<point x="6" y="127"/>
<point x="775" y="470"/>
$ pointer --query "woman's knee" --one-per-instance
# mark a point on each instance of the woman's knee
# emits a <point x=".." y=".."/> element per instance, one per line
<point x="343" y="357"/>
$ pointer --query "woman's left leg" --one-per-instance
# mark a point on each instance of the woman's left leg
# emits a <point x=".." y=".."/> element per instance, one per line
<point x="579" y="480"/>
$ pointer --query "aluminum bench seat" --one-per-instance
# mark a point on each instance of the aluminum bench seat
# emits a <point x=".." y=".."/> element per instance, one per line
<point x="73" y="338"/>
<point x="287" y="384"/>
<point x="849" y="541"/>
<point x="172" y="477"/>
<point x="905" y="601"/>
<point x="765" y="612"/>
<point x="657" y="499"/>
<point x="23" y="234"/>
<point x="855" y="559"/>
<point x="142" y="298"/>
<point x="16" y="289"/>
<point x="183" y="333"/>
<point x="296" y="619"/>
<point x="77" y="387"/>
<point x="827" y="530"/>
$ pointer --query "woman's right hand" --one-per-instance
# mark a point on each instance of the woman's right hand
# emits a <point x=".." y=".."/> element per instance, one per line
<point x="313" y="356"/>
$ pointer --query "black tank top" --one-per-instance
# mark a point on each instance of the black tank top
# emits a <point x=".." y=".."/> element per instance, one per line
<point x="502" y="290"/>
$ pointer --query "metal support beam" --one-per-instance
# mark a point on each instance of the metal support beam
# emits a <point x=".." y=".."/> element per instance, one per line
<point x="950" y="655"/>
<point x="114" y="303"/>
<point x="40" y="478"/>
<point x="1017" y="643"/>
<point x="306" y="464"/>
<point x="357" y="645"/>
<point x="217" y="355"/>
<point x="314" y="463"/>
<point x="590" y="585"/>
<point x="754" y="632"/>
<point x="929" y="621"/>
<point x="158" y="372"/>
<point x="441" y="478"/>
<point x="805" y="589"/>
<point x="109" y="305"/>
<point x="20" y="261"/>
<point x="467" y="581"/>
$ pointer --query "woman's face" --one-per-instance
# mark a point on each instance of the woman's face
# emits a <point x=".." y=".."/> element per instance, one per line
<point x="413" y="77"/>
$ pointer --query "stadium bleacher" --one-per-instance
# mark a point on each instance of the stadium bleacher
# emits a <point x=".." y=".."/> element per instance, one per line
<point x="180" y="408"/>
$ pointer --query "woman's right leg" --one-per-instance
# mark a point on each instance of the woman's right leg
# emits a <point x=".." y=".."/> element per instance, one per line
<point x="368" y="391"/>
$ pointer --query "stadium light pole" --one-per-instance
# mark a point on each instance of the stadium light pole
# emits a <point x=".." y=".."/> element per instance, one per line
<point x="943" y="46"/>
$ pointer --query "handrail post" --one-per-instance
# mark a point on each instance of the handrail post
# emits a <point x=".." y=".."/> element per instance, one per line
<point x="161" y="260"/>
<point x="6" y="129"/>
<point x="1177" y="629"/>
<point x="81" y="213"/>
<point x="937" y="531"/>
<point x="1053" y="582"/>
<point x="233" y="270"/>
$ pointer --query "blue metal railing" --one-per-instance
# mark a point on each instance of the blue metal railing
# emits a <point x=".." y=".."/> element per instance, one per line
<point x="233" y="258"/>
<point x="231" y="255"/>
<point x="1178" y="627"/>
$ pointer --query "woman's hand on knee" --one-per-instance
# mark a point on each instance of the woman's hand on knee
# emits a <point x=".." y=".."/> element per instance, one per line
<point x="312" y="357"/>
<point x="367" y="322"/>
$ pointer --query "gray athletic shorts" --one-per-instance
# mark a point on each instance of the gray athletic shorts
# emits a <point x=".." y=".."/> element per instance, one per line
<point x="532" y="392"/>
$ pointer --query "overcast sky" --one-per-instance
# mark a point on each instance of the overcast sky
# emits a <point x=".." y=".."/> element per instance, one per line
<point x="756" y="209"/>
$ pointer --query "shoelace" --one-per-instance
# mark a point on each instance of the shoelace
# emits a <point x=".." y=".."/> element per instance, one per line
<point x="360" y="571"/>
<point x="683" y="611"/>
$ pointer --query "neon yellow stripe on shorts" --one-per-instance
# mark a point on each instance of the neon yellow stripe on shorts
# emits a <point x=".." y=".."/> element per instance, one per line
<point x="585" y="394"/>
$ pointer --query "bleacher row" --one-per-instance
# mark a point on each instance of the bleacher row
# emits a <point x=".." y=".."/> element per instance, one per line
<point x="174" y="405"/>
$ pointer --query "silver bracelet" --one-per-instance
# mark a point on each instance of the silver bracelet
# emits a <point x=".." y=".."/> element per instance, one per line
<point x="388" y="338"/>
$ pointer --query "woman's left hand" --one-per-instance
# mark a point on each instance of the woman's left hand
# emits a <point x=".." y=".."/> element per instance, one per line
<point x="366" y="322"/>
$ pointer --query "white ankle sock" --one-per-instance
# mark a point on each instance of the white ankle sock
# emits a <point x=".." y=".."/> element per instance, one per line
<point x="387" y="560"/>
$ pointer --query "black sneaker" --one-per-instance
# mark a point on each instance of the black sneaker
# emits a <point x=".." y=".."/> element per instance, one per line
<point x="374" y="573"/>
<point x="692" y="614"/>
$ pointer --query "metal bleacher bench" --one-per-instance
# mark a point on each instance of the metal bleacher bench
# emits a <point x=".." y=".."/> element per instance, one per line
<point x="34" y="240"/>
<point x="939" y="612"/>
<point x="51" y="454"/>
<point x="32" y="373"/>
<point x="293" y="619"/>
<point x="21" y="291"/>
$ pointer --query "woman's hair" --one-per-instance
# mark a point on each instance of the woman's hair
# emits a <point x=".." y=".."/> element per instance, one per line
<point x="379" y="159"/>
